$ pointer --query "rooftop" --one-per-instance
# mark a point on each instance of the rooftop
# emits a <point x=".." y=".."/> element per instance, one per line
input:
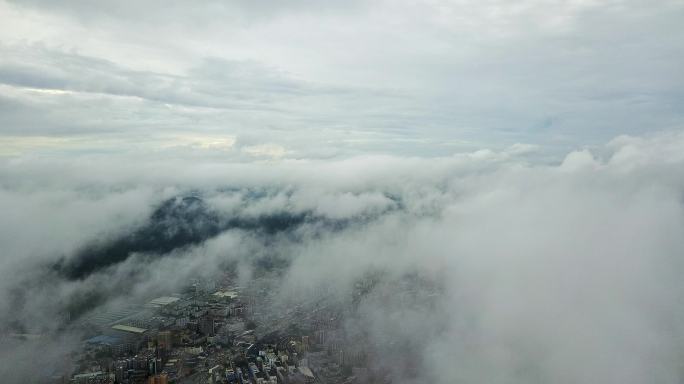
<point x="103" y="339"/>
<point x="162" y="301"/>
<point x="229" y="294"/>
<point x="128" y="328"/>
<point x="306" y="371"/>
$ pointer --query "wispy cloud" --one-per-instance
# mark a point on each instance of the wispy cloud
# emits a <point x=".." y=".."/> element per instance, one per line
<point x="383" y="74"/>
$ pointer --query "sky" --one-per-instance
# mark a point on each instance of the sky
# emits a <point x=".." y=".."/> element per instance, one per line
<point x="526" y="158"/>
<point x="304" y="79"/>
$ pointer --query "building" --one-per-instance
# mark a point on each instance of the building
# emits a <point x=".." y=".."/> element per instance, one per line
<point x="158" y="379"/>
<point x="305" y="343"/>
<point x="162" y="301"/>
<point x="206" y="325"/>
<point x="165" y="340"/>
<point x="128" y="328"/>
<point x="92" y="377"/>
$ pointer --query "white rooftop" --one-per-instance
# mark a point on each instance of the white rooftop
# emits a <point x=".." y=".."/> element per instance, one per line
<point x="230" y="294"/>
<point x="162" y="301"/>
<point x="128" y="328"/>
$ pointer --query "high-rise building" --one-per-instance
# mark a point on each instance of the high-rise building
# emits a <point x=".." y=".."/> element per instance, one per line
<point x="305" y="343"/>
<point x="164" y="340"/>
<point x="206" y="325"/>
<point x="158" y="379"/>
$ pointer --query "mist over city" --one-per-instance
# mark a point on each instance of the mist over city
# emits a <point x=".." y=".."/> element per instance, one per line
<point x="341" y="192"/>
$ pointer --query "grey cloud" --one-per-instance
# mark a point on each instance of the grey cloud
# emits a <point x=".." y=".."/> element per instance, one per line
<point x="182" y="12"/>
<point x="217" y="96"/>
<point x="215" y="84"/>
<point x="492" y="191"/>
<point x="519" y="272"/>
<point x="386" y="77"/>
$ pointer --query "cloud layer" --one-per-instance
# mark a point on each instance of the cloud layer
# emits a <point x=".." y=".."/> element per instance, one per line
<point x="344" y="78"/>
<point x="520" y="272"/>
<point x="503" y="181"/>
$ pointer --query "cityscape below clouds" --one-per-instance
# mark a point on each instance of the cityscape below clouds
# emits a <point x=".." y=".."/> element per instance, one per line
<point x="341" y="192"/>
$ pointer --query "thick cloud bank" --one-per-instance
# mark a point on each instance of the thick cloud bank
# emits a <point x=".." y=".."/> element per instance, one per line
<point x="518" y="272"/>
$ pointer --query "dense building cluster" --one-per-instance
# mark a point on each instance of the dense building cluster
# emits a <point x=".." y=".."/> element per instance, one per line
<point x="217" y="332"/>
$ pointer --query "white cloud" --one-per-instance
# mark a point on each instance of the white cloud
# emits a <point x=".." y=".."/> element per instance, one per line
<point x="459" y="141"/>
<point x="265" y="150"/>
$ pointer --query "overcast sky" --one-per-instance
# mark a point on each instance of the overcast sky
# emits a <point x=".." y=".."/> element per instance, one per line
<point x="527" y="156"/>
<point x="303" y="78"/>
